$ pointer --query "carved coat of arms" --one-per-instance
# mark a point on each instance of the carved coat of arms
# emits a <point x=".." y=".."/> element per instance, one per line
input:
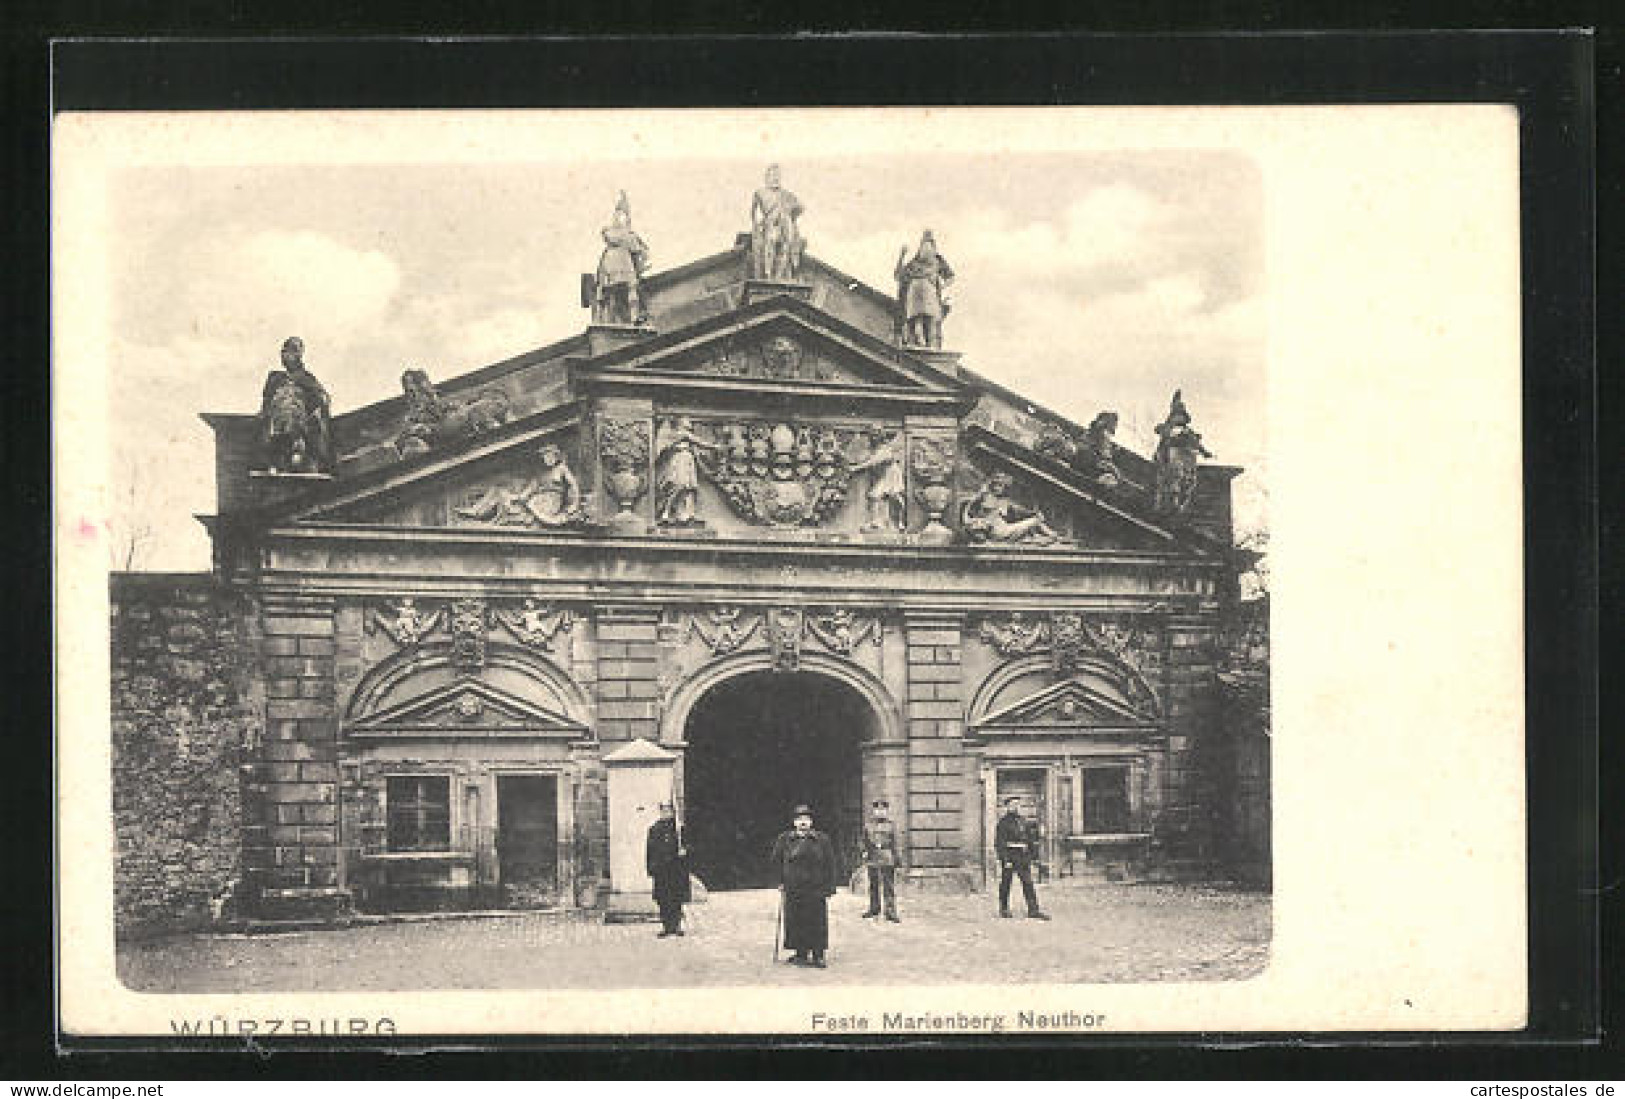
<point x="781" y="475"/>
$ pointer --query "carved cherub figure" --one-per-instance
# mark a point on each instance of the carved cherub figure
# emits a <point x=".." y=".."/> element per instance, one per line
<point x="405" y="624"/>
<point x="534" y="624"/>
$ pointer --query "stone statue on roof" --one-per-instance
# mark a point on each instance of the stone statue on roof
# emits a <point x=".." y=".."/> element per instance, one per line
<point x="616" y="290"/>
<point x="922" y="293"/>
<point x="295" y="420"/>
<point x="1179" y="449"/>
<point x="776" y="244"/>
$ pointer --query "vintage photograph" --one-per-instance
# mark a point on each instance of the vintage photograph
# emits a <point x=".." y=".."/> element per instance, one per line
<point x="801" y="571"/>
<point x="690" y="571"/>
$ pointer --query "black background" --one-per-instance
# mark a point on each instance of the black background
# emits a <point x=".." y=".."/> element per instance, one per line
<point x="1549" y="76"/>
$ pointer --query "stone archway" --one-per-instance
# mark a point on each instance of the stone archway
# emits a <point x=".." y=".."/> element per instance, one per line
<point x="758" y="742"/>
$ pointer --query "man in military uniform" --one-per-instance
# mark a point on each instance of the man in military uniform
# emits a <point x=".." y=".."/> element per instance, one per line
<point x="882" y="858"/>
<point x="804" y="860"/>
<point x="1017" y="843"/>
<point x="666" y="859"/>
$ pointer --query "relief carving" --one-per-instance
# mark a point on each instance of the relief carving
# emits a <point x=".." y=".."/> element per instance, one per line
<point x="723" y="630"/>
<point x="1068" y="640"/>
<point x="1069" y="636"/>
<point x="932" y="463"/>
<point x="535" y="625"/>
<point x="840" y="631"/>
<point x="992" y="517"/>
<point x="1015" y="634"/>
<point x="623" y="450"/>
<point x="551" y="498"/>
<point x="403" y="621"/>
<point x="468" y="621"/>
<point x="677" y="472"/>
<point x="785" y="627"/>
<point x="780" y="474"/>
<point x="726" y="630"/>
<point x="778" y="358"/>
<point x="468" y="624"/>
<point x="887" y="508"/>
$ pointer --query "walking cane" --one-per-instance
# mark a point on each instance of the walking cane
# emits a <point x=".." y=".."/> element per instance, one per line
<point x="778" y="926"/>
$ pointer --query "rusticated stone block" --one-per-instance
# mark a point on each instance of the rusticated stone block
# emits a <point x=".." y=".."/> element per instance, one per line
<point x="936" y="709"/>
<point x="282" y="688"/>
<point x="627" y="630"/>
<point x="933" y="673"/>
<point x="278" y="708"/>
<point x="298" y="627"/>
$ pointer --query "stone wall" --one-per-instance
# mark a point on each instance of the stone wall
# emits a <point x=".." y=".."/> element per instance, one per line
<point x="183" y="707"/>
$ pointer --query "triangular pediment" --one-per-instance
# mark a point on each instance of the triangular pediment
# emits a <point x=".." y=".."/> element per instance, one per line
<point x="780" y="342"/>
<point x="467" y="707"/>
<point x="498" y="481"/>
<point x="1071" y="705"/>
<point x="1085" y="513"/>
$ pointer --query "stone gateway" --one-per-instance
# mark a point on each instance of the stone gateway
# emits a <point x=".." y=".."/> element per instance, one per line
<point x="755" y="550"/>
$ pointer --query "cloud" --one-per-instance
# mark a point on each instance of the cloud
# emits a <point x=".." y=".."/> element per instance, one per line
<point x="304" y="274"/>
<point x="1106" y="228"/>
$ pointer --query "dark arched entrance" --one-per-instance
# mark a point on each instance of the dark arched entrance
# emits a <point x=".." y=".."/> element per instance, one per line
<point x="758" y="744"/>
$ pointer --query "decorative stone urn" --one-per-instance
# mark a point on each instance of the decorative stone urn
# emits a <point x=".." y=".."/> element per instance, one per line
<point x="624" y="450"/>
<point x="936" y="498"/>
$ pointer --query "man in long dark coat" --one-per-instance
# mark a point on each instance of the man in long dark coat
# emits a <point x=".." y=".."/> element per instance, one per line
<point x="1017" y="843"/>
<point x="666" y="859"/>
<point x="805" y="862"/>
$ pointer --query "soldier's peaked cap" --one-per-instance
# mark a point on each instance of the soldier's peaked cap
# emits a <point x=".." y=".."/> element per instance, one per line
<point x="803" y="811"/>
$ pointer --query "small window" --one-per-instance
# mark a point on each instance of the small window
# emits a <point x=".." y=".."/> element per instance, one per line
<point x="1105" y="800"/>
<point x="419" y="813"/>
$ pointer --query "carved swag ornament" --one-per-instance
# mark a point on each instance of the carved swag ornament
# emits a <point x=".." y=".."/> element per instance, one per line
<point x="535" y="625"/>
<point x="726" y="630"/>
<point x="468" y="620"/>
<point x="1068" y="636"/>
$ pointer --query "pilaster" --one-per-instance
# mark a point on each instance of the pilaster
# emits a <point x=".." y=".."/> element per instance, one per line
<point x="934" y="711"/>
<point x="628" y="680"/>
<point x="291" y="849"/>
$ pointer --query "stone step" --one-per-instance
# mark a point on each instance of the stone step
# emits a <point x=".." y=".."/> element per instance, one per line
<point x="323" y="904"/>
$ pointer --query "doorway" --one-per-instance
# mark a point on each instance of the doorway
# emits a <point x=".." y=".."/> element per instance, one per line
<point x="527" y="839"/>
<point x="758" y="745"/>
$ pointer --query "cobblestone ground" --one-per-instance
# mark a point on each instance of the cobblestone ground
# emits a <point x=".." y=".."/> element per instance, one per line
<point x="1100" y="933"/>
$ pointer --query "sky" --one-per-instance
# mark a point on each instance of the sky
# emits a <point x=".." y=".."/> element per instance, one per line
<point x="1087" y="280"/>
